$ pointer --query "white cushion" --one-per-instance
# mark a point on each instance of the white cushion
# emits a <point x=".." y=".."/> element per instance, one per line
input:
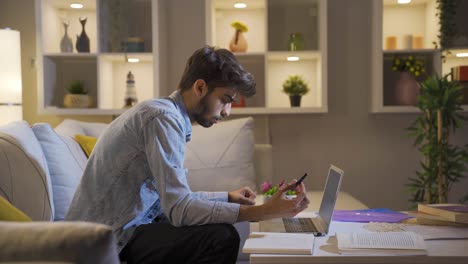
<point x="66" y="163"/>
<point x="220" y="158"/>
<point x="25" y="180"/>
<point x="71" y="127"/>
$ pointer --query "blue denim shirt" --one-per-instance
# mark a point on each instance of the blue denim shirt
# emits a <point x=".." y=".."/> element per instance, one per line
<point x="136" y="173"/>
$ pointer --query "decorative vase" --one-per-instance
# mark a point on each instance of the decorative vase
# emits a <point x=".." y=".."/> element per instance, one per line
<point x="296" y="42"/>
<point x="66" y="44"/>
<point x="82" y="41"/>
<point x="406" y="89"/>
<point x="77" y="101"/>
<point x="295" y="100"/>
<point x="238" y="42"/>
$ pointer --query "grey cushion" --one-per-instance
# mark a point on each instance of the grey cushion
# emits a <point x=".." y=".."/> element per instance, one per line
<point x="76" y="242"/>
<point x="24" y="175"/>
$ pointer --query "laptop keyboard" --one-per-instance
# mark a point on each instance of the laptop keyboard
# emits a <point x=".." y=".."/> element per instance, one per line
<point x="299" y="225"/>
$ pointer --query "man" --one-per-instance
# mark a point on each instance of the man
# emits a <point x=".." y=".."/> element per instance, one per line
<point x="135" y="180"/>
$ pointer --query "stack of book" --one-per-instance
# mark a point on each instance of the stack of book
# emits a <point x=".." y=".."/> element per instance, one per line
<point x="442" y="214"/>
<point x="460" y="74"/>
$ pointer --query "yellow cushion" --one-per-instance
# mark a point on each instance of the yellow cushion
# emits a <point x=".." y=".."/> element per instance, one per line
<point x="10" y="213"/>
<point x="87" y="143"/>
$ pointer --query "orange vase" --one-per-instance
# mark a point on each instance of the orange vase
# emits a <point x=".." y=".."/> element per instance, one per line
<point x="238" y="42"/>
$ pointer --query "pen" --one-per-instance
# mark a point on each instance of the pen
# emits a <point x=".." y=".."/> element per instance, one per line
<point x="301" y="179"/>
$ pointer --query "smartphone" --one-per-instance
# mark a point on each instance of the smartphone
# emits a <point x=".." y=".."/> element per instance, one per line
<point x="301" y="179"/>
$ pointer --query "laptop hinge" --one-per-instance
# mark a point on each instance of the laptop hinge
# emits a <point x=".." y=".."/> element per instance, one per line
<point x="320" y="224"/>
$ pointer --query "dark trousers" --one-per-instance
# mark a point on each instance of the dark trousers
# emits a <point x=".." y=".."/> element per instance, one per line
<point x="164" y="243"/>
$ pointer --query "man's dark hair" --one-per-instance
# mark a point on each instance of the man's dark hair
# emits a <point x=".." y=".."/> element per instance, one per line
<point x="218" y="68"/>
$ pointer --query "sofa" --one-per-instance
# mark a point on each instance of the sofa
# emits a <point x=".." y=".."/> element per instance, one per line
<point x="40" y="168"/>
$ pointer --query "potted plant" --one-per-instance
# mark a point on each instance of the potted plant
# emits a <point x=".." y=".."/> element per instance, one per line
<point x="77" y="96"/>
<point x="295" y="87"/>
<point x="268" y="189"/>
<point x="409" y="68"/>
<point x="444" y="163"/>
<point x="238" y="42"/>
<point x="448" y="32"/>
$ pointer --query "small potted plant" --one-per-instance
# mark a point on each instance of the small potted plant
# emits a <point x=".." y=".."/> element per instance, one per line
<point x="295" y="87"/>
<point x="409" y="68"/>
<point x="238" y="42"/>
<point x="77" y="96"/>
<point x="268" y="189"/>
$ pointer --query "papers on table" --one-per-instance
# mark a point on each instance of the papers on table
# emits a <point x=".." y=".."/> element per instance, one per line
<point x="279" y="243"/>
<point x="381" y="243"/>
<point x="438" y="232"/>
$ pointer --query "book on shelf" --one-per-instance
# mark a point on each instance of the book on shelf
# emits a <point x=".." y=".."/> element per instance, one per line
<point x="279" y="243"/>
<point x="428" y="219"/>
<point x="451" y="212"/>
<point x="381" y="243"/>
<point x="460" y="73"/>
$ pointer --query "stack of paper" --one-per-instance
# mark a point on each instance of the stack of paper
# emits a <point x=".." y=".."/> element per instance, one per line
<point x="381" y="243"/>
<point x="279" y="243"/>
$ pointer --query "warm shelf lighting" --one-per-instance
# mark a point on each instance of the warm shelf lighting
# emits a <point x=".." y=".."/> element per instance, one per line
<point x="404" y="2"/>
<point x="240" y="5"/>
<point x="134" y="60"/>
<point x="462" y="54"/>
<point x="76" y="5"/>
<point x="293" y="58"/>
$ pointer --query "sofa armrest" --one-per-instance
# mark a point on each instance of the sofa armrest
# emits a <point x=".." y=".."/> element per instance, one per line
<point x="75" y="242"/>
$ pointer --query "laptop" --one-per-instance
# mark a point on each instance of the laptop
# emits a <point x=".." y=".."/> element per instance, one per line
<point x="317" y="225"/>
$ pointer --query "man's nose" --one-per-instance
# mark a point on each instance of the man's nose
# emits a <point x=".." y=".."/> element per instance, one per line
<point x="226" y="110"/>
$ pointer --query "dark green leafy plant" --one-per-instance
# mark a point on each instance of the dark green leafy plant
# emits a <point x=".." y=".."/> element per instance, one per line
<point x="444" y="164"/>
<point x="77" y="87"/>
<point x="295" y="85"/>
<point x="446" y="11"/>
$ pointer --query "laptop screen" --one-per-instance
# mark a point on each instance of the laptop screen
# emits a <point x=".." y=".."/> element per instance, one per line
<point x="330" y="194"/>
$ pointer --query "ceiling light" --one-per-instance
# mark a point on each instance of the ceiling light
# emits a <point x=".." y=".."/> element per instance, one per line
<point x="403" y="2"/>
<point x="76" y="5"/>
<point x="462" y="54"/>
<point x="293" y="58"/>
<point x="133" y="60"/>
<point x="240" y="5"/>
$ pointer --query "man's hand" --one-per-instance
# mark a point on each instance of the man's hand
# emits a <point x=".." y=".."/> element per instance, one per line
<point x="279" y="207"/>
<point x="244" y="195"/>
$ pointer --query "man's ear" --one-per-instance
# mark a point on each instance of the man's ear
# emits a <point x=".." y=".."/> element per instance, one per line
<point x="200" y="87"/>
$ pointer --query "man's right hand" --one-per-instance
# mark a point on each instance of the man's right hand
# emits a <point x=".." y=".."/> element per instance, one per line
<point x="277" y="206"/>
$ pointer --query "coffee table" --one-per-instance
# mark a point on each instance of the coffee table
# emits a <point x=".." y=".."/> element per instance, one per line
<point x="326" y="251"/>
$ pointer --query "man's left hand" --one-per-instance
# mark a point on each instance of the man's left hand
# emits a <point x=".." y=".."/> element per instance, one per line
<point x="244" y="195"/>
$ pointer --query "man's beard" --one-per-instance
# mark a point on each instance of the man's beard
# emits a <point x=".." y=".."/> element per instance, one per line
<point x="205" y="109"/>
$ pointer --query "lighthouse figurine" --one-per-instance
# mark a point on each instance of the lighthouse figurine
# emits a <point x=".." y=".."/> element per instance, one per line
<point x="130" y="92"/>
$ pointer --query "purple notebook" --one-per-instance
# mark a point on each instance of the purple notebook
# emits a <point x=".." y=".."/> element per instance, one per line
<point x="383" y="215"/>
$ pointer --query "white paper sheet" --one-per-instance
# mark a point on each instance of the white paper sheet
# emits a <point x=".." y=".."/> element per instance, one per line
<point x="381" y="243"/>
<point x="438" y="232"/>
